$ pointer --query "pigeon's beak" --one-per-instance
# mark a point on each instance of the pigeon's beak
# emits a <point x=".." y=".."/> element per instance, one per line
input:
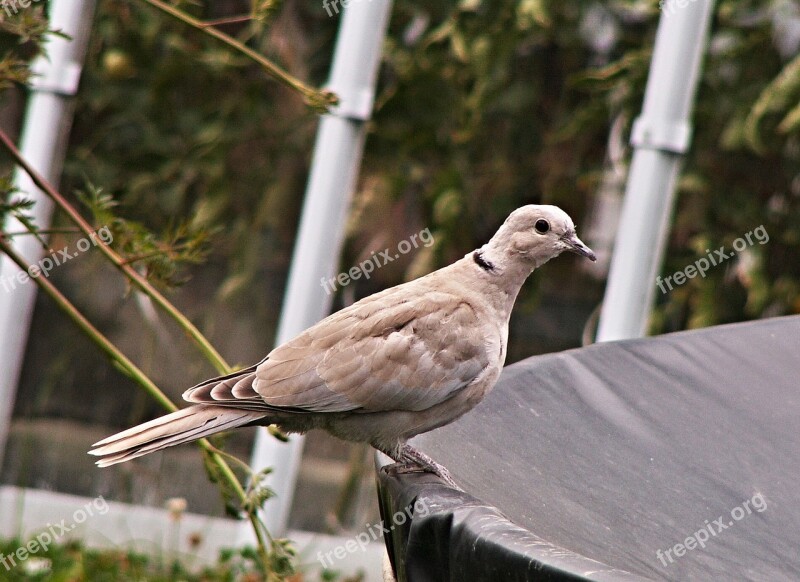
<point x="576" y="246"/>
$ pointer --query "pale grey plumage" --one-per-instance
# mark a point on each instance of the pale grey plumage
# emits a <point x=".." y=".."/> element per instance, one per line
<point x="393" y="365"/>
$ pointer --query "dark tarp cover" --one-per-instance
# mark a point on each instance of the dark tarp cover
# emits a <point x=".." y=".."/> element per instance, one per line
<point x="667" y="458"/>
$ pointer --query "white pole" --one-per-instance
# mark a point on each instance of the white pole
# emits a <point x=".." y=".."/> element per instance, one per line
<point x="47" y="119"/>
<point x="660" y="136"/>
<point x="334" y="170"/>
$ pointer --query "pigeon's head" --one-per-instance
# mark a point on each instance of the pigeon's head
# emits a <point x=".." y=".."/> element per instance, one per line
<point x="534" y="234"/>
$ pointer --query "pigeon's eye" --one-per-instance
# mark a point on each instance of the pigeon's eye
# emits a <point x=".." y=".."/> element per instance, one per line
<point x="541" y="226"/>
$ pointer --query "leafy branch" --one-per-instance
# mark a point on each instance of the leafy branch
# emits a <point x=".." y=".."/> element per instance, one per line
<point x="318" y="99"/>
<point x="250" y="500"/>
<point x="28" y="28"/>
<point x="157" y="257"/>
<point x="277" y="561"/>
<point x="138" y="280"/>
<point x="778" y="96"/>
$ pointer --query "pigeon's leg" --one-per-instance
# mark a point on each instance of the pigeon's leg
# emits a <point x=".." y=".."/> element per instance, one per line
<point x="416" y="457"/>
<point x="411" y="460"/>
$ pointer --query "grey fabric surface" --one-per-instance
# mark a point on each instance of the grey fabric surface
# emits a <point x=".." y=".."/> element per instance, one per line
<point x="618" y="452"/>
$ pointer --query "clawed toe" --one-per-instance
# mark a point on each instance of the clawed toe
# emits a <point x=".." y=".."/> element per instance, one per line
<point x="400" y="468"/>
<point x="410" y="467"/>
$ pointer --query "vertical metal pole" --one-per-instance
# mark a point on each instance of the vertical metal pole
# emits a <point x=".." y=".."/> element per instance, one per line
<point x="47" y="119"/>
<point x="334" y="170"/>
<point x="660" y="136"/>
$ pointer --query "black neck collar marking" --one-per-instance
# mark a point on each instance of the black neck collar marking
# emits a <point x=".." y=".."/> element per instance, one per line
<point x="488" y="266"/>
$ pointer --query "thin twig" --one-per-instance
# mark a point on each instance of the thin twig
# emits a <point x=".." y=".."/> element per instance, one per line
<point x="43" y="231"/>
<point x="119" y="359"/>
<point x="228" y="20"/>
<point x="138" y="280"/>
<point x="320" y="100"/>
<point x="231" y="457"/>
<point x="157" y="253"/>
<point x="132" y="371"/>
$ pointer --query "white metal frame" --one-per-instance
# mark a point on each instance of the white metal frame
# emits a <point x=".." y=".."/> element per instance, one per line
<point x="47" y="119"/>
<point x="660" y="137"/>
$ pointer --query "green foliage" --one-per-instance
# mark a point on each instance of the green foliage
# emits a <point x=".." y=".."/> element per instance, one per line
<point x="257" y="492"/>
<point x="482" y="107"/>
<point x="10" y="203"/>
<point x="21" y="38"/>
<point x="742" y="173"/>
<point x="483" y="110"/>
<point x="160" y="257"/>
<point x="72" y="562"/>
<point x="17" y="206"/>
<point x="779" y="96"/>
<point x="178" y="125"/>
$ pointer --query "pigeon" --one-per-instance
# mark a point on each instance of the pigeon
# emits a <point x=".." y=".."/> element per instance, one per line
<point x="398" y="363"/>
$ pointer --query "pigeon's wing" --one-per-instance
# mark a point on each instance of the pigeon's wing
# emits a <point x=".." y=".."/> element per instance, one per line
<point x="233" y="390"/>
<point x="397" y="351"/>
<point x="406" y="348"/>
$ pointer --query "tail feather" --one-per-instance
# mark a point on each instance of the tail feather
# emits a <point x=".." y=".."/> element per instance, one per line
<point x="183" y="426"/>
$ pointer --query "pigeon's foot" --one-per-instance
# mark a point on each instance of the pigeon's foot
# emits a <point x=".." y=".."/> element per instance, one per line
<point x="410" y="460"/>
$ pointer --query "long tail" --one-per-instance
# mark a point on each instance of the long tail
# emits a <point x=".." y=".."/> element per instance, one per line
<point x="183" y="426"/>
